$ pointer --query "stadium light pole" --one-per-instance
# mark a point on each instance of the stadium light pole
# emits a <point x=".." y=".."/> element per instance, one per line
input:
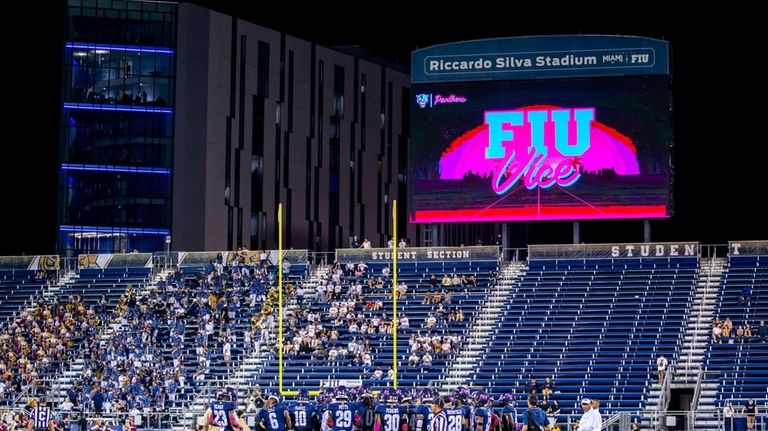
<point x="280" y="294"/>
<point x="394" y="293"/>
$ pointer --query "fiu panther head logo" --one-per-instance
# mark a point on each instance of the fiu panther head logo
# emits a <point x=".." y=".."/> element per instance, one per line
<point x="422" y="100"/>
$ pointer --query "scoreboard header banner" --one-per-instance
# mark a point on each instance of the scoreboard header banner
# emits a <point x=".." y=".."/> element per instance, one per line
<point x="612" y="251"/>
<point x="538" y="57"/>
<point x="748" y="248"/>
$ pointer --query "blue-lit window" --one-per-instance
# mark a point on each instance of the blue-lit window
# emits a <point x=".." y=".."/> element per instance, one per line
<point x="117" y="138"/>
<point x="75" y="239"/>
<point x="94" y="197"/>
<point x="119" y="75"/>
<point x="122" y="22"/>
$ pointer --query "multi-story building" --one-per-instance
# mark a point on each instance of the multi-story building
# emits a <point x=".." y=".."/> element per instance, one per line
<point x="184" y="122"/>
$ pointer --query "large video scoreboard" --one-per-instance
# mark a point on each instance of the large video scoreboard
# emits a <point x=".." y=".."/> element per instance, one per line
<point x="541" y="128"/>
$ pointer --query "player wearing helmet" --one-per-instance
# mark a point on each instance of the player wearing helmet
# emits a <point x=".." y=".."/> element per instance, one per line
<point x="274" y="416"/>
<point x="482" y="417"/>
<point x="221" y="415"/>
<point x="339" y="415"/>
<point x="364" y="415"/>
<point x="389" y="416"/>
<point x="303" y="413"/>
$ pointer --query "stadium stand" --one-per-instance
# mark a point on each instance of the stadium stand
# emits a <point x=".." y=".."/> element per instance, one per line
<point x="308" y="370"/>
<point x="595" y="327"/>
<point x="739" y="362"/>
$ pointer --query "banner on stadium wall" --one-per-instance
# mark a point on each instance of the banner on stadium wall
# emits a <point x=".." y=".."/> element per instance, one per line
<point x="415" y="254"/>
<point x="748" y="248"/>
<point x="33" y="263"/>
<point x="44" y="263"/>
<point x="539" y="57"/>
<point x="115" y="260"/>
<point x="611" y="251"/>
<point x="252" y="257"/>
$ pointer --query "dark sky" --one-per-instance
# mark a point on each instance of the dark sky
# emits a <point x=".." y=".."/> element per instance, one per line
<point x="718" y="89"/>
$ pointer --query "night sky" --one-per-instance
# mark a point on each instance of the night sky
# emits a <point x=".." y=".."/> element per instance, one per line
<point x="718" y="90"/>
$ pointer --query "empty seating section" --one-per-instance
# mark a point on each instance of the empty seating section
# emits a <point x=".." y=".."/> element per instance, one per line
<point x="742" y="362"/>
<point x="17" y="287"/>
<point x="595" y="326"/>
<point x="306" y="369"/>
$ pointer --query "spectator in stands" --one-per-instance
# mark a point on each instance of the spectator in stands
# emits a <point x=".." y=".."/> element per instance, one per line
<point x="635" y="426"/>
<point x="727" y="327"/>
<point x="402" y="243"/>
<point x="740" y="331"/>
<point x="745" y="297"/>
<point x="390" y="243"/>
<point x="548" y="387"/>
<point x="427" y="359"/>
<point x="661" y="366"/>
<point x="747" y="330"/>
<point x="355" y="243"/>
<point x="103" y="303"/>
<point x="596" y="409"/>
<point x="433" y="282"/>
<point x="590" y="420"/>
<point x="762" y="331"/>
<point x="534" y="417"/>
<point x="717" y="332"/>
<point x="728" y="415"/>
<point x="750" y="409"/>
<point x="533" y="386"/>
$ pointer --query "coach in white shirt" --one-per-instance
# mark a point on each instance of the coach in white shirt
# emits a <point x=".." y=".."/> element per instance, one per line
<point x="590" y="420"/>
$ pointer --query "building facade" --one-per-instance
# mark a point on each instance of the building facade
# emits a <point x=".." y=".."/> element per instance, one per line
<point x="116" y="146"/>
<point x="184" y="122"/>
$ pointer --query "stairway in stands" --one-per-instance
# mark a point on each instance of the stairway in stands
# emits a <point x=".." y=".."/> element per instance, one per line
<point x="699" y="322"/>
<point x="697" y="329"/>
<point x="66" y="375"/>
<point x="477" y="336"/>
<point x="242" y="377"/>
<point x="737" y="367"/>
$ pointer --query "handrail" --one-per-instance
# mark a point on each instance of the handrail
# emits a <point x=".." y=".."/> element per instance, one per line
<point x="663" y="403"/>
<point x="695" y="400"/>
<point x="612" y="420"/>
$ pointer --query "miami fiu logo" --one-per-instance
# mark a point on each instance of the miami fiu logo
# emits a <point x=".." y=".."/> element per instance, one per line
<point x="423" y="100"/>
<point x="538" y="146"/>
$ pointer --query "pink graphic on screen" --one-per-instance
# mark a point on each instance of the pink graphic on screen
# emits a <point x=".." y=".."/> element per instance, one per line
<point x="536" y="148"/>
<point x="608" y="150"/>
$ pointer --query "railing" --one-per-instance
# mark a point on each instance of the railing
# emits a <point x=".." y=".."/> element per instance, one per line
<point x="514" y="254"/>
<point x="697" y="327"/>
<point x="663" y="404"/>
<point x="732" y="423"/>
<point x="695" y="400"/>
<point x="317" y="258"/>
<point x="714" y="250"/>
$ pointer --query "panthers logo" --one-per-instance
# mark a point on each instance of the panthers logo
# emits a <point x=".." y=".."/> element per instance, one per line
<point x="422" y="100"/>
<point x="87" y="261"/>
<point x="49" y="263"/>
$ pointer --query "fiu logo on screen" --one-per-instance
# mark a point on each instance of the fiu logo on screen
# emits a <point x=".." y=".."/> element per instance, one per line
<point x="539" y="146"/>
<point x="426" y="100"/>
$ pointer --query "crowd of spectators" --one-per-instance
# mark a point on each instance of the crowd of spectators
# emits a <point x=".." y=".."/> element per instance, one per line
<point x="723" y="329"/>
<point x="166" y="340"/>
<point x="341" y="317"/>
<point x="41" y="337"/>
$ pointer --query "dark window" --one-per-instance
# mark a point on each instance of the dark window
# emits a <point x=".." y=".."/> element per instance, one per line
<point x="262" y="72"/>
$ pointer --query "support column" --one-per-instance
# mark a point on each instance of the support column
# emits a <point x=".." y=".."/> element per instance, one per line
<point x="576" y="232"/>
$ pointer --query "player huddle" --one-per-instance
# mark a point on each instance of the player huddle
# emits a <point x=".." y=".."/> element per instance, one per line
<point x="357" y="409"/>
